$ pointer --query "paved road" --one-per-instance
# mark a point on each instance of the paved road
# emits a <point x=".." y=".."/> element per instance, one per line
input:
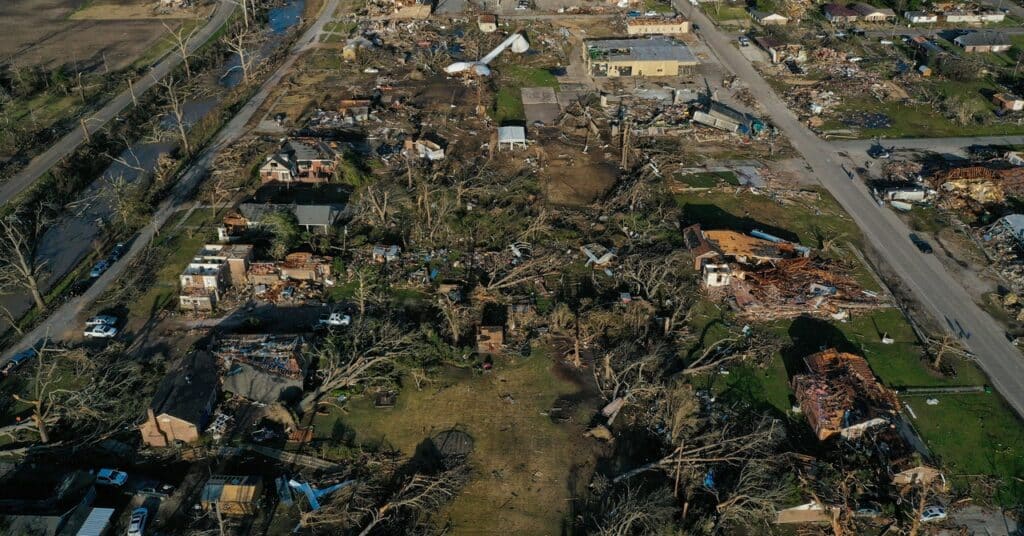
<point x="70" y="142"/>
<point x="924" y="275"/>
<point x="938" y="145"/>
<point x="66" y="316"/>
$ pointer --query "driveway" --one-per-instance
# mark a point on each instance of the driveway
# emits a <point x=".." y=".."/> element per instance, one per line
<point x="928" y="281"/>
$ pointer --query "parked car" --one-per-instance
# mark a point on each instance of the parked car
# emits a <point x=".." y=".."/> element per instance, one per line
<point x="933" y="513"/>
<point x="17" y="360"/>
<point x="744" y="41"/>
<point x="138" y="522"/>
<point x="921" y="244"/>
<point x="99" y="268"/>
<point x="333" y="320"/>
<point x="101" y="320"/>
<point x="111" y="477"/>
<point x="163" y="490"/>
<point x="878" y="152"/>
<point x="117" y="252"/>
<point x="101" y="331"/>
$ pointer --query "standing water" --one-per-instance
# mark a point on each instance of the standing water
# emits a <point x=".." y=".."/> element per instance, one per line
<point x="279" y="19"/>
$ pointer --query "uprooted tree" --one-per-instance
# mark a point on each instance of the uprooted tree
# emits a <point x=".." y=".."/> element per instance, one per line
<point x="370" y="347"/>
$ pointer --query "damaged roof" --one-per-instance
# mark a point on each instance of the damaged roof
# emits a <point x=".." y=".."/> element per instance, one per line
<point x="840" y="393"/>
<point x="658" y="48"/>
<point x="185" y="391"/>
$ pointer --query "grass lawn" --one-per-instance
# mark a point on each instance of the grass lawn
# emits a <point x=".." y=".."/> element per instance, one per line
<point x="922" y="120"/>
<point x="803" y="222"/>
<point x="658" y="6"/>
<point x="975" y="435"/>
<point x="178" y="248"/>
<point x="709" y="179"/>
<point x="508" y="106"/>
<point x="526" y="467"/>
<point x="719" y="13"/>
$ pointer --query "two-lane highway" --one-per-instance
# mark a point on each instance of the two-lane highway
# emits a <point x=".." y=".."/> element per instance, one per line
<point x="942" y="295"/>
<point x="66" y="316"/>
<point x="42" y="163"/>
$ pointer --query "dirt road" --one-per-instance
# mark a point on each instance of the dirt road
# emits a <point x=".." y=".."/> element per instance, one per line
<point x="924" y="275"/>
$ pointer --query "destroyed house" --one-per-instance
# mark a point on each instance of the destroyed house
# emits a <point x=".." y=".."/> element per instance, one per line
<point x="304" y="266"/>
<point x="263" y="368"/>
<point x="746" y="249"/>
<point x="231" y="495"/>
<point x="699" y="246"/>
<point x="841" y="396"/>
<point x="183" y="402"/>
<point x="981" y="184"/>
<point x="214" y="269"/>
<point x="653" y="56"/>
<point x="276" y="354"/>
<point x="904" y="464"/>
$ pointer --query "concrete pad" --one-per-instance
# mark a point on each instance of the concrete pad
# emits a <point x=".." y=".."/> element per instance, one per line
<point x="540" y="104"/>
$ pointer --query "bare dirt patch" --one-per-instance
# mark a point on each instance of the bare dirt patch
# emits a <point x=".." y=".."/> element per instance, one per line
<point x="50" y="33"/>
<point x="572" y="177"/>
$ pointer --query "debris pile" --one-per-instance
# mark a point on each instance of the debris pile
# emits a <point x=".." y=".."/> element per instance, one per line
<point x="841" y="396"/>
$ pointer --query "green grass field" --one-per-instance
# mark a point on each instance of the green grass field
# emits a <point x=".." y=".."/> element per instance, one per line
<point x="525" y="465"/>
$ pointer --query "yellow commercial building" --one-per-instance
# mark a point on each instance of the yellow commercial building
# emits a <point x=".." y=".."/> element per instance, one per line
<point x="653" y="56"/>
<point x="657" y="26"/>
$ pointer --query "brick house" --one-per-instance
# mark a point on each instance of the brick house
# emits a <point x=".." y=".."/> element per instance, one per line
<point x="183" y="403"/>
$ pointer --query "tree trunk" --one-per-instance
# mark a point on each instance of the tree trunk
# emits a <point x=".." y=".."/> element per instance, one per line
<point x="36" y="295"/>
<point x="44" y="434"/>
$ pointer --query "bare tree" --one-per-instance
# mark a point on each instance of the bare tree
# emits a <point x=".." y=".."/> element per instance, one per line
<point x="181" y="42"/>
<point x="178" y="111"/>
<point x="239" y="44"/>
<point x="348" y="360"/>
<point x="421" y="493"/>
<point x="20" y="267"/>
<point x="125" y="201"/>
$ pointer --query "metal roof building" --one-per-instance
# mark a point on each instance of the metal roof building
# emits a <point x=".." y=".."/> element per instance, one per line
<point x="653" y="56"/>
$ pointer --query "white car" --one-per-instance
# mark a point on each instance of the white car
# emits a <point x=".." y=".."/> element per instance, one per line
<point x="101" y="320"/>
<point x="101" y="331"/>
<point x="138" y="522"/>
<point x="933" y="513"/>
<point x="333" y="320"/>
<point x="111" y="477"/>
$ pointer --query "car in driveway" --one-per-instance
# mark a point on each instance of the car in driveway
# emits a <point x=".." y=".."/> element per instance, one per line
<point x="743" y="40"/>
<point x="100" y="331"/>
<point x="933" y="514"/>
<point x="921" y="243"/>
<point x="98" y="268"/>
<point x="137" y="524"/>
<point x="111" y="477"/>
<point x="333" y="320"/>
